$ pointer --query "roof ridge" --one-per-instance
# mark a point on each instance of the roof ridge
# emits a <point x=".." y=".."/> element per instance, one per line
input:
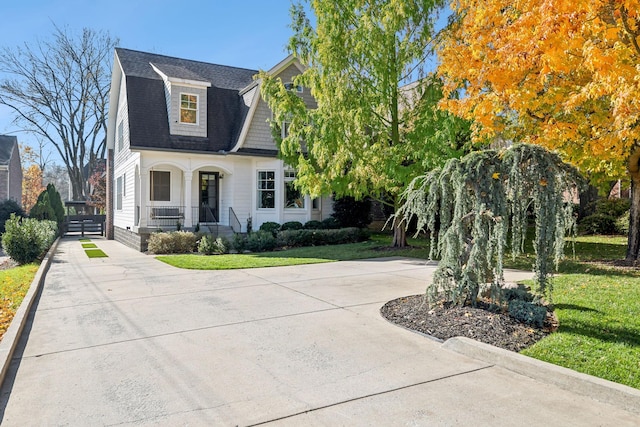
<point x="184" y="59"/>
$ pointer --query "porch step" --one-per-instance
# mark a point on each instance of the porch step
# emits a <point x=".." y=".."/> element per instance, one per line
<point x="219" y="231"/>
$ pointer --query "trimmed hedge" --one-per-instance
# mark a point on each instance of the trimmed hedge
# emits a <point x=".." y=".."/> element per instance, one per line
<point x="611" y="217"/>
<point x="260" y="241"/>
<point x="292" y="238"/>
<point x="313" y="225"/>
<point x="291" y="225"/>
<point x="27" y="239"/>
<point x="330" y="223"/>
<point x="173" y="242"/>
<point x="272" y="227"/>
<point x="598" y="224"/>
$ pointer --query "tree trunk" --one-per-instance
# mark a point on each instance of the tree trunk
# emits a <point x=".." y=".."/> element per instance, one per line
<point x="633" y="245"/>
<point x="399" y="235"/>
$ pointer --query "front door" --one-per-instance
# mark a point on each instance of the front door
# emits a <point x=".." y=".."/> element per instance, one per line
<point x="209" y="190"/>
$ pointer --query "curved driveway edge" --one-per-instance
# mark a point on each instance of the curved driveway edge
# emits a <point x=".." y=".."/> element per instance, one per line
<point x="12" y="335"/>
<point x="129" y="340"/>
<point x="575" y="382"/>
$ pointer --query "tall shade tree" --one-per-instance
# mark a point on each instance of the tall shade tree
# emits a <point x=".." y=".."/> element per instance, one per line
<point x="376" y="125"/>
<point x="560" y="73"/>
<point x="58" y="90"/>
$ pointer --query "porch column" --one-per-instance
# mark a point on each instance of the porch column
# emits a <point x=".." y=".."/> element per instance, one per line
<point x="188" y="220"/>
<point x="145" y="196"/>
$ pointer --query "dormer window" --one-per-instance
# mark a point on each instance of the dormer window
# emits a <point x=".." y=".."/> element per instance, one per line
<point x="188" y="108"/>
<point x="293" y="87"/>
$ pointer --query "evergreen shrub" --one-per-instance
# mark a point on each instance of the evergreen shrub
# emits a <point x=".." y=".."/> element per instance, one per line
<point x="270" y="226"/>
<point x="350" y="212"/>
<point x="26" y="239"/>
<point x="598" y="223"/>
<point x="7" y="207"/>
<point x="173" y="242"/>
<point x="291" y="225"/>
<point x="330" y="223"/>
<point x="209" y="246"/>
<point x="528" y="312"/>
<point x="260" y="241"/>
<point x="313" y="225"/>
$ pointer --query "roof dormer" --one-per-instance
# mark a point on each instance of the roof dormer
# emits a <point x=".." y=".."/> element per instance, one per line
<point x="186" y="97"/>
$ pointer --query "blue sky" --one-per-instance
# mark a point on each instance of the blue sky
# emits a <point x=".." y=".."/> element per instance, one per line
<point x="245" y="33"/>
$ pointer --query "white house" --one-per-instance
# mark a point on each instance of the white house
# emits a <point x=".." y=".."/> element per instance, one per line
<point x="190" y="143"/>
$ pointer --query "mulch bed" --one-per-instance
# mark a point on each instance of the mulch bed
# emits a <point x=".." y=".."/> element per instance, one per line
<point x="480" y="324"/>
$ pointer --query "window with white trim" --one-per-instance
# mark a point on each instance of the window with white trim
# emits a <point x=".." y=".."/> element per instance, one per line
<point x="293" y="198"/>
<point x="160" y="186"/>
<point x="285" y="129"/>
<point x="188" y="108"/>
<point x="120" y="136"/>
<point x="266" y="189"/>
<point x="292" y="86"/>
<point x="119" y="193"/>
<point x="124" y="184"/>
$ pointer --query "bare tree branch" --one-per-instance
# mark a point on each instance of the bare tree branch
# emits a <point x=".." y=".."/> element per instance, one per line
<point x="58" y="90"/>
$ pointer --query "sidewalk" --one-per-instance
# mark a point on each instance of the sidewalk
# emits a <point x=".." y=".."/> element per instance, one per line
<point x="128" y="340"/>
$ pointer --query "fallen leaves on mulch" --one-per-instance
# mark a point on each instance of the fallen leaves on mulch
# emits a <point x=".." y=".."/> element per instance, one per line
<point x="480" y="324"/>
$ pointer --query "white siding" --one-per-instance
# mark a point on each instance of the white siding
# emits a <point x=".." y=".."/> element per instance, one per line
<point x="125" y="218"/>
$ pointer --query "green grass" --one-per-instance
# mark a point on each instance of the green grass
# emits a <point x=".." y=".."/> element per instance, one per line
<point x="14" y="284"/>
<point x="377" y="247"/>
<point x="89" y="245"/>
<point x="598" y="307"/>
<point x="85" y="240"/>
<point x="95" y="253"/>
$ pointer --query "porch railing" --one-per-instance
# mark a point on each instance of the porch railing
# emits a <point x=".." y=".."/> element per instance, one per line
<point x="210" y="220"/>
<point x="165" y="216"/>
<point x="234" y="222"/>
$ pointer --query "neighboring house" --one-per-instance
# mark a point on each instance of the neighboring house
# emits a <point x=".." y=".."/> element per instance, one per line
<point x="10" y="169"/>
<point x="190" y="143"/>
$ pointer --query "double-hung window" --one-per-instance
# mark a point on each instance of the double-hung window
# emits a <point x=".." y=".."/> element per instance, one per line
<point x="160" y="186"/>
<point x="293" y="198"/>
<point x="293" y="87"/>
<point x="119" y="193"/>
<point x="266" y="189"/>
<point x="188" y="108"/>
<point x="120" y="136"/>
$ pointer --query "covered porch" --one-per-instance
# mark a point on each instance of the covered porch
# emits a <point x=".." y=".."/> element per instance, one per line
<point x="170" y="197"/>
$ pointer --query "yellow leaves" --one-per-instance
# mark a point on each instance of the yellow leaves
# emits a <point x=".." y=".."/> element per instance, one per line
<point x="495" y="175"/>
<point x="559" y="73"/>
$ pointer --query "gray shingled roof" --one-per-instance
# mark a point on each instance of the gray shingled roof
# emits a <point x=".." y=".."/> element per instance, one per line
<point x="7" y="144"/>
<point x="138" y="64"/>
<point x="179" y="72"/>
<point x="147" y="108"/>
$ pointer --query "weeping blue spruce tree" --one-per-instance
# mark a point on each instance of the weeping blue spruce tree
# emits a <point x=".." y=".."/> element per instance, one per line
<point x="477" y="207"/>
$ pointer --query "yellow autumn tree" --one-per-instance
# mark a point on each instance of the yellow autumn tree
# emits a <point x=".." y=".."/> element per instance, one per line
<point x="564" y="74"/>
<point x="31" y="186"/>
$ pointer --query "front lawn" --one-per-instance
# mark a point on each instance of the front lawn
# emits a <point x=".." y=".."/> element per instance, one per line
<point x="598" y="307"/>
<point x="14" y="284"/>
<point x="376" y="247"/>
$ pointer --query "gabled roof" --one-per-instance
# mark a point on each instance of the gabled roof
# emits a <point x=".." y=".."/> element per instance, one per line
<point x="7" y="144"/>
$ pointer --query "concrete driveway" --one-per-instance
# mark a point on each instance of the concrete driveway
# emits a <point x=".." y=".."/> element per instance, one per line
<point x="128" y="340"/>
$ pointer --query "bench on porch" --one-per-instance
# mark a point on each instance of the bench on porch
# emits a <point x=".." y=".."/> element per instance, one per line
<point x="166" y="213"/>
